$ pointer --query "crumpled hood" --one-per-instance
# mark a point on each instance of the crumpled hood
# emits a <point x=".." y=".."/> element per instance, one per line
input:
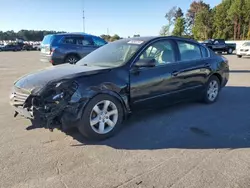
<point x="42" y="77"/>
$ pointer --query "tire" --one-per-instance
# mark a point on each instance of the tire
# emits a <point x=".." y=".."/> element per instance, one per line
<point x="97" y="131"/>
<point x="230" y="51"/>
<point x="239" y="56"/>
<point x="71" y="59"/>
<point x="207" y="98"/>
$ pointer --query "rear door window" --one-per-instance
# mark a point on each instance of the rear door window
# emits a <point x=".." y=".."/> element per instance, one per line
<point x="69" y="40"/>
<point x="84" y="41"/>
<point x="189" y="51"/>
<point x="204" y="51"/>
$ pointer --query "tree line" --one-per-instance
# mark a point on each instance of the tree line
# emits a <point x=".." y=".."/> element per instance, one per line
<point x="27" y="35"/>
<point x="228" y="20"/>
<point x="34" y="35"/>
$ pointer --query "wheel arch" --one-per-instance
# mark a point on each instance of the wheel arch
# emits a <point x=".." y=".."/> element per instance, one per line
<point x="71" y="54"/>
<point x="218" y="76"/>
<point x="122" y="99"/>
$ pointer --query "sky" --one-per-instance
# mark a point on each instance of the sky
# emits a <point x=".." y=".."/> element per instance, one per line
<point x="122" y="17"/>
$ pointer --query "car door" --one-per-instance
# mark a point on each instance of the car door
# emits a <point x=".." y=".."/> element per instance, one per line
<point x="86" y="45"/>
<point x="155" y="85"/>
<point x="194" y="68"/>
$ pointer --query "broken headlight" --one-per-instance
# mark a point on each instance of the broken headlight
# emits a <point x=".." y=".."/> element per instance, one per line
<point x="60" y="91"/>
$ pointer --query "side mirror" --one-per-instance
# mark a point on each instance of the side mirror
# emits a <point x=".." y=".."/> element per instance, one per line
<point x="148" y="62"/>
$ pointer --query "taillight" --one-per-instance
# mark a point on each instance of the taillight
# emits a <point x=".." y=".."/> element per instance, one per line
<point x="52" y="50"/>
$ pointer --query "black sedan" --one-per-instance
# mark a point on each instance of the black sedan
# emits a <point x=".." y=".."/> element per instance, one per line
<point x="97" y="94"/>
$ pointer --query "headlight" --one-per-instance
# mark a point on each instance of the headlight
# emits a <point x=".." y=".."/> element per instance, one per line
<point x="62" y="90"/>
<point x="58" y="96"/>
<point x="76" y="97"/>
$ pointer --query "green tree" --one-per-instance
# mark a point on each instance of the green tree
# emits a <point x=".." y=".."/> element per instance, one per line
<point x="178" y="14"/>
<point x="237" y="13"/>
<point x="202" y="28"/>
<point x="222" y="23"/>
<point x="195" y="8"/>
<point x="179" y="27"/>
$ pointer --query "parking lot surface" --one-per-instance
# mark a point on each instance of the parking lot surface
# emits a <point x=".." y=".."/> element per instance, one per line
<point x="186" y="146"/>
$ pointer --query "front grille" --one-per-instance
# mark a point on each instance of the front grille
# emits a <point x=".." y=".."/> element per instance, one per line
<point x="19" y="96"/>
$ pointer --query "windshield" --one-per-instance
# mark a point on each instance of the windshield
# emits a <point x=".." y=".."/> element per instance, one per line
<point x="246" y="44"/>
<point x="113" y="54"/>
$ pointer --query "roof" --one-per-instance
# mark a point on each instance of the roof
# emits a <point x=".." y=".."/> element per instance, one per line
<point x="149" y="38"/>
<point x="73" y="33"/>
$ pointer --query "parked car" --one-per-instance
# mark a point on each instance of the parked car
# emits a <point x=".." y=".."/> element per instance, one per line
<point x="244" y="50"/>
<point x="11" y="47"/>
<point x="99" y="92"/>
<point x="27" y="47"/>
<point x="219" y="45"/>
<point x="68" y="47"/>
<point x="37" y="47"/>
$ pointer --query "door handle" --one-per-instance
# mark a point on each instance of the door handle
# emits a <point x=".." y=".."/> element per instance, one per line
<point x="175" y="73"/>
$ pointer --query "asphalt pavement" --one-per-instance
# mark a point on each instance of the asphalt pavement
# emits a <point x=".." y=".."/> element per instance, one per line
<point x="190" y="145"/>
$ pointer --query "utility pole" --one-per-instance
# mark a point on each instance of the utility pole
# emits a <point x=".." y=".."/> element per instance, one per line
<point x="83" y="21"/>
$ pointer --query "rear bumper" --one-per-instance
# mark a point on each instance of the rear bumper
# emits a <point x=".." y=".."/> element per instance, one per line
<point x="52" y="59"/>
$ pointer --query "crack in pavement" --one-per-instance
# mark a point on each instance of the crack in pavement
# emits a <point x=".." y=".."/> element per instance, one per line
<point x="58" y="172"/>
<point x="148" y="171"/>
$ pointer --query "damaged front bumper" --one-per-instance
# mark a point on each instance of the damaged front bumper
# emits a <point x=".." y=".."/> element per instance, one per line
<point x="49" y="109"/>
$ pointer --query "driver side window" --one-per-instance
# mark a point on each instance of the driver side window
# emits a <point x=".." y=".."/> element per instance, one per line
<point x="162" y="52"/>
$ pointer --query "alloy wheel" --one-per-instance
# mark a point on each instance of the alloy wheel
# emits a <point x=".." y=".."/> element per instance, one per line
<point x="72" y="60"/>
<point x="213" y="90"/>
<point x="103" y="117"/>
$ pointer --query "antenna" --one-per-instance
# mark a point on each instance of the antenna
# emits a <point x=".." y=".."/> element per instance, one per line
<point x="83" y="17"/>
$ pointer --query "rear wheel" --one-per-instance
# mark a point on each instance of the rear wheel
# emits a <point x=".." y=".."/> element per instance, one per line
<point x="212" y="90"/>
<point x="101" y="118"/>
<point x="239" y="56"/>
<point x="72" y="59"/>
<point x="230" y="51"/>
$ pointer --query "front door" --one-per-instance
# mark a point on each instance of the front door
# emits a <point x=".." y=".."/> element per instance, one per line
<point x="155" y="85"/>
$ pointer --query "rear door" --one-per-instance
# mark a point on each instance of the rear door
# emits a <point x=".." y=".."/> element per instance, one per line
<point x="194" y="68"/>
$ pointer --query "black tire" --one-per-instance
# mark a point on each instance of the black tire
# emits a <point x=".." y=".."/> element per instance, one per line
<point x="206" y="98"/>
<point x="71" y="59"/>
<point x="239" y="56"/>
<point x="230" y="51"/>
<point x="84" y="126"/>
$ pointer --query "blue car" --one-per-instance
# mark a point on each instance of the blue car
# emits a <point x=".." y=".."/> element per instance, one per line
<point x="68" y="47"/>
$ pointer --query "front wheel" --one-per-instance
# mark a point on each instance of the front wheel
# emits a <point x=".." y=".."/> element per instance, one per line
<point x="239" y="56"/>
<point x="101" y="118"/>
<point x="212" y="90"/>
